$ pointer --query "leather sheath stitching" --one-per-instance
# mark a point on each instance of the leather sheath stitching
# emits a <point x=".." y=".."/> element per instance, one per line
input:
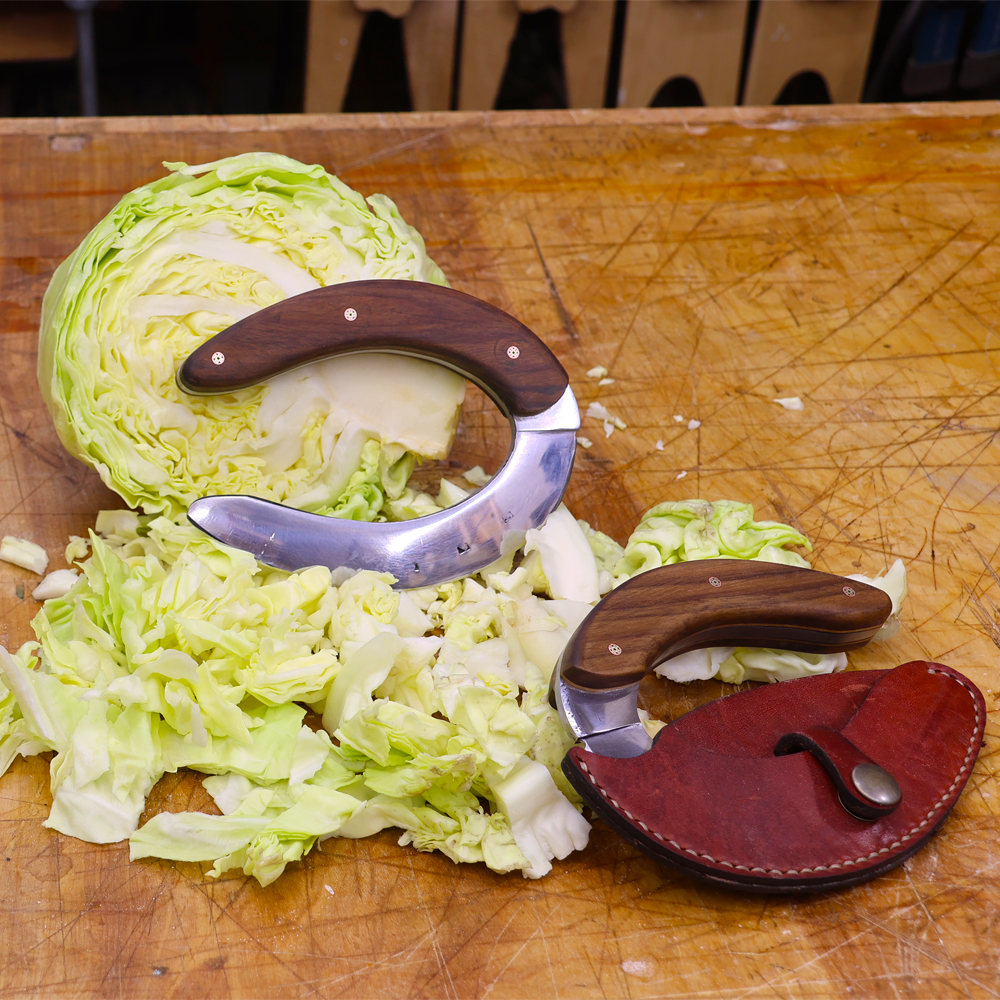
<point x="970" y="757"/>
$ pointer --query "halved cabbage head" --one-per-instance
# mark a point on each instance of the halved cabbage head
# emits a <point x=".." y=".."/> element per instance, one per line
<point x="182" y="258"/>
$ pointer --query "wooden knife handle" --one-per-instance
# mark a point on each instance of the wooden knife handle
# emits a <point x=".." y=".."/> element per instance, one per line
<point x="475" y="338"/>
<point x="718" y="602"/>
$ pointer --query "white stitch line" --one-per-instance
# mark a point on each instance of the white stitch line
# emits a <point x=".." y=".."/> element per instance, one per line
<point x="822" y="868"/>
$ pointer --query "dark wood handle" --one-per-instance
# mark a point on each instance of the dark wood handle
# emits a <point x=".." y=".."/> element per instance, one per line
<point x="482" y="342"/>
<point x="718" y="602"/>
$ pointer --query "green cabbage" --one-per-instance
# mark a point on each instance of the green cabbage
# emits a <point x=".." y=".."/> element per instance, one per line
<point x="21" y="552"/>
<point x="696" y="529"/>
<point x="173" y="651"/>
<point x="179" y="260"/>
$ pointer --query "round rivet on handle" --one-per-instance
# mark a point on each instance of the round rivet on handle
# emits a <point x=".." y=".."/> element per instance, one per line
<point x="513" y="352"/>
<point x="218" y="358"/>
<point x="350" y="315"/>
<point x="614" y="649"/>
<point x="715" y="581"/>
<point x="850" y="591"/>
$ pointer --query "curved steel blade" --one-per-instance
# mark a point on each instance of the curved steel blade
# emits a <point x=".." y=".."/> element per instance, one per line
<point x="606" y="722"/>
<point x="427" y="550"/>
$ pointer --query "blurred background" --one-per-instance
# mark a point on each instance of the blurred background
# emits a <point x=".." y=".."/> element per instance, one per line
<point x="165" y="57"/>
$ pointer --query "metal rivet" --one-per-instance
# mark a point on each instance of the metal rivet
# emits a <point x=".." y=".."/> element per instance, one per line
<point x="513" y="352"/>
<point x="850" y="591"/>
<point x="715" y="581"/>
<point x="614" y="649"/>
<point x="218" y="358"/>
<point x="350" y="315"/>
<point x="876" y="784"/>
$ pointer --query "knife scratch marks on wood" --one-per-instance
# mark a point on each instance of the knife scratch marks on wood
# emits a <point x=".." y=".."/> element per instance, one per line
<point x="139" y="932"/>
<point x="620" y="246"/>
<point x="946" y="495"/>
<point x="687" y="238"/>
<point x="564" y="317"/>
<point x="256" y="935"/>
<point x="498" y="937"/>
<point x="221" y="948"/>
<point x="517" y="954"/>
<point x="906" y="941"/>
<point x="869" y="305"/>
<point x="62" y="908"/>
<point x="39" y="451"/>
<point x="930" y="920"/>
<point x="796" y="970"/>
<point x="787" y="511"/>
<point x="990" y="621"/>
<point x="389" y="151"/>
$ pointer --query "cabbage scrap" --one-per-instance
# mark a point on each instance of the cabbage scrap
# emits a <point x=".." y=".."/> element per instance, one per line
<point x="176" y="262"/>
<point x="23" y="553"/>
<point x="696" y="529"/>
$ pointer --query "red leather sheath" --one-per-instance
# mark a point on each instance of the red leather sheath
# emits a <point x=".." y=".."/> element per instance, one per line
<point x="712" y="799"/>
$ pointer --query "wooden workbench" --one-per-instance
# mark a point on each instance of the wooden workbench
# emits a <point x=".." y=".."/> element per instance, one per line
<point x="712" y="260"/>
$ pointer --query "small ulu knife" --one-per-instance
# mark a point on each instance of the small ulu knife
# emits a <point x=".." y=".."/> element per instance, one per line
<point x="804" y="786"/>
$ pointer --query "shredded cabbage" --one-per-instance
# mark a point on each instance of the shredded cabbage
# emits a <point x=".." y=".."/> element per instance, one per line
<point x="179" y="260"/>
<point x="893" y="582"/>
<point x="724" y="529"/>
<point x="171" y="650"/>
<point x="23" y="553"/>
<point x="56" y="584"/>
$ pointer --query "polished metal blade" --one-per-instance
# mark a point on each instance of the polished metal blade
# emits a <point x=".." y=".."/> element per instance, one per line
<point x="606" y="722"/>
<point x="427" y="550"/>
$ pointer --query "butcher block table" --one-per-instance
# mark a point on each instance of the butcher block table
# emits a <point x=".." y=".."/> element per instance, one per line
<point x="713" y="261"/>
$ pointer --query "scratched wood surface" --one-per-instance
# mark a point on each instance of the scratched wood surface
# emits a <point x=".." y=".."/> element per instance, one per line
<point x="713" y="261"/>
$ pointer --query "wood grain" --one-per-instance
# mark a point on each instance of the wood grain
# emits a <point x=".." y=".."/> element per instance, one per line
<point x="796" y="36"/>
<point x="713" y="260"/>
<point x="665" y="39"/>
<point x="722" y="602"/>
<point x="498" y="353"/>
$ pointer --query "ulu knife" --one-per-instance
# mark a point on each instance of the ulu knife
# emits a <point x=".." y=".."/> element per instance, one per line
<point x="798" y="787"/>
<point x="483" y="343"/>
<point x="673" y="609"/>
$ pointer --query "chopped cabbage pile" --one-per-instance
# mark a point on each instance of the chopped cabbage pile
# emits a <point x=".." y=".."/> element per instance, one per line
<point x="178" y="261"/>
<point x="314" y="707"/>
<point x="172" y="650"/>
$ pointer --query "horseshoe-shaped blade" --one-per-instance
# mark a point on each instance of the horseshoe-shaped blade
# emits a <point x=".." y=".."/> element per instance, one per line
<point x="485" y="344"/>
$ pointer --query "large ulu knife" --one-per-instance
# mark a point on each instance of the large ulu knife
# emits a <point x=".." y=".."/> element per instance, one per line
<point x="483" y="343"/>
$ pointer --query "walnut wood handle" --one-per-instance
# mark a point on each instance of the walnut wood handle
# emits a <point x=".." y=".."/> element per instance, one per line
<point x="482" y="342"/>
<point x="718" y="602"/>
